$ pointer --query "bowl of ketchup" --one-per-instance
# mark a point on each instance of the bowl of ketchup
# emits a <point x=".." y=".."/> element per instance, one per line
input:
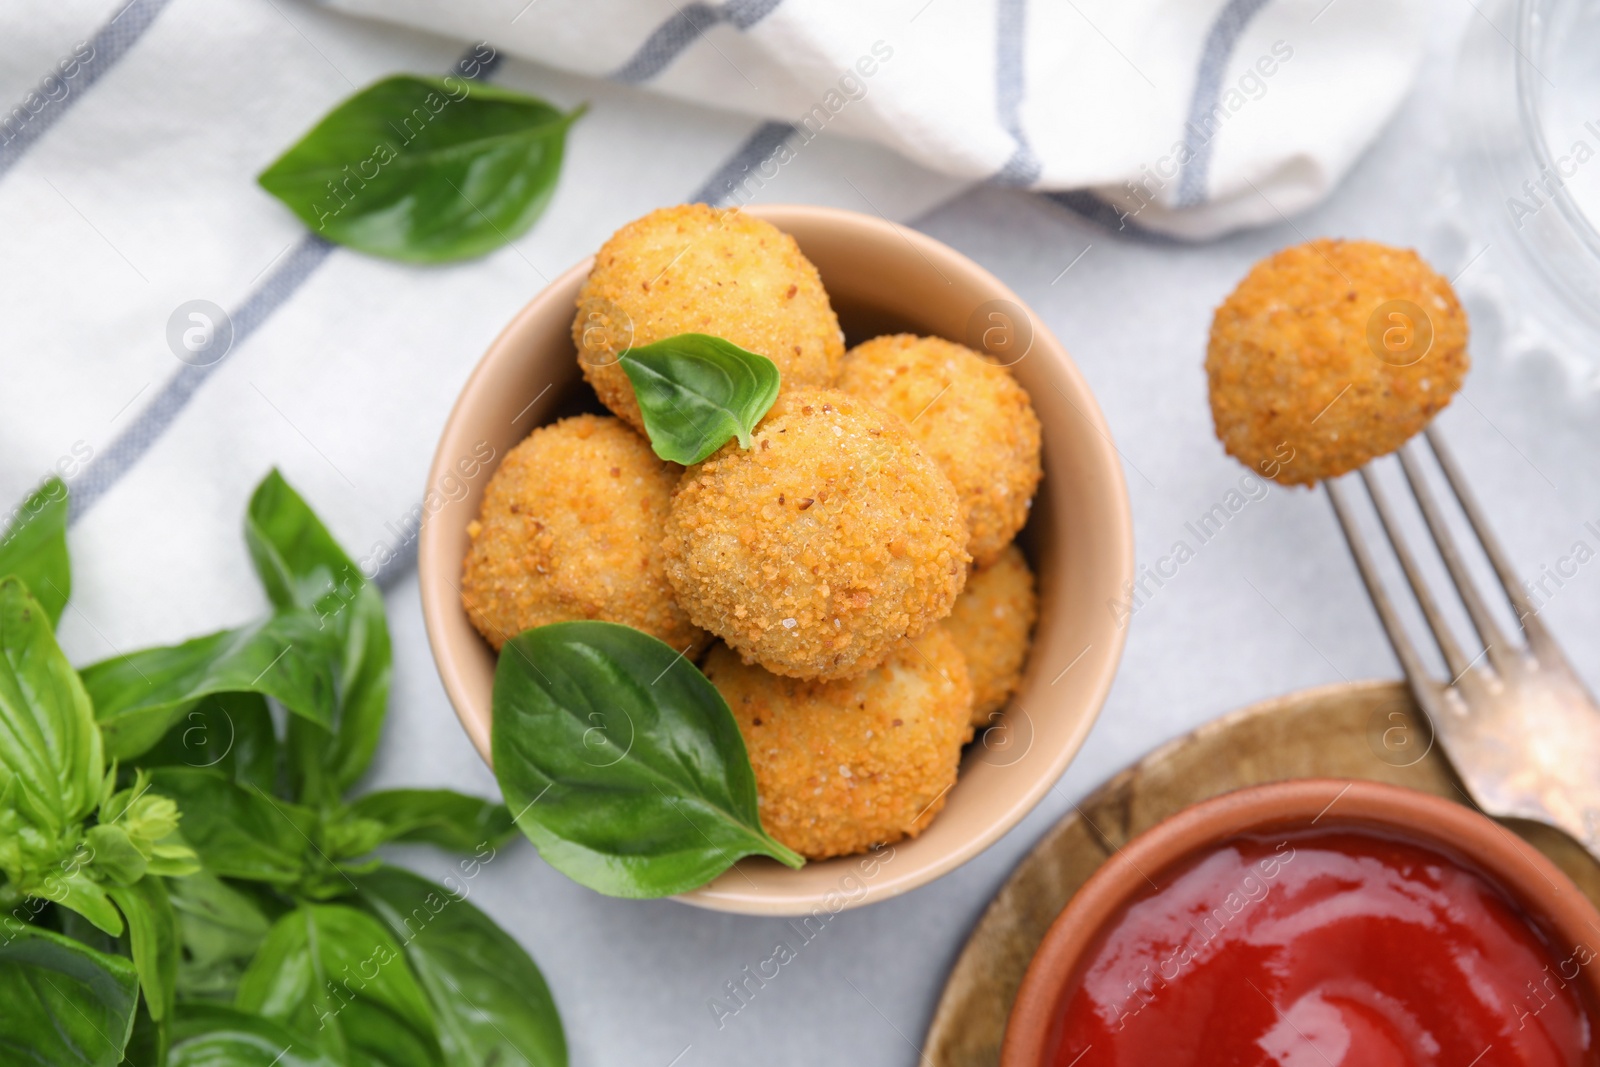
<point x="1317" y="923"/>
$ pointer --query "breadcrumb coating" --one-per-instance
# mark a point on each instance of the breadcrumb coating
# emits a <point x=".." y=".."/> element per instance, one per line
<point x="1321" y="359"/>
<point x="571" y="529"/>
<point x="818" y="549"/>
<point x="970" y="415"/>
<point x="841" y="766"/>
<point x="696" y="269"/>
<point x="992" y="624"/>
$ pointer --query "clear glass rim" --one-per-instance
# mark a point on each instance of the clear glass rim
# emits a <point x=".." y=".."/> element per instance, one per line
<point x="1527" y="76"/>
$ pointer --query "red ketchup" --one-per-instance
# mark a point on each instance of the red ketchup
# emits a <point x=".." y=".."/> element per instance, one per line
<point x="1321" y="949"/>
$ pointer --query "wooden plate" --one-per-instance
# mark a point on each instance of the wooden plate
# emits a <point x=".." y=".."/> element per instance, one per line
<point x="1369" y="730"/>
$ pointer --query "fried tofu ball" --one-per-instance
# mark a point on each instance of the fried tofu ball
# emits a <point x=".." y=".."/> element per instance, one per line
<point x="842" y="766"/>
<point x="970" y="415"/>
<point x="571" y="529"/>
<point x="817" y="549"/>
<point x="992" y="624"/>
<point x="696" y="269"/>
<point x="1331" y="353"/>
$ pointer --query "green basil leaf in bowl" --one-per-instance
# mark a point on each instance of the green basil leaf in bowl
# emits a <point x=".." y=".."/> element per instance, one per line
<point x="425" y="170"/>
<point x="621" y="762"/>
<point x="696" y="391"/>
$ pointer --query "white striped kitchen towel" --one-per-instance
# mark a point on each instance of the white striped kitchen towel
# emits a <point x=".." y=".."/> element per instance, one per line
<point x="1185" y="117"/>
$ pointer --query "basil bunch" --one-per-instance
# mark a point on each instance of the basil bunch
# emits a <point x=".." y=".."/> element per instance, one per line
<point x="175" y="823"/>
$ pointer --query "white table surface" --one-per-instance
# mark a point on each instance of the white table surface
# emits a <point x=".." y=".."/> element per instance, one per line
<point x="1270" y="605"/>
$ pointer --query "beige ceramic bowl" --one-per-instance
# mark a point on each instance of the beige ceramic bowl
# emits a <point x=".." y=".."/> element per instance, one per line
<point x="881" y="278"/>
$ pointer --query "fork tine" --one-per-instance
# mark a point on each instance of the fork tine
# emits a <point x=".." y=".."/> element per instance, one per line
<point x="1495" y="642"/>
<point x="1539" y="638"/>
<point x="1426" y="689"/>
<point x="1454" y="657"/>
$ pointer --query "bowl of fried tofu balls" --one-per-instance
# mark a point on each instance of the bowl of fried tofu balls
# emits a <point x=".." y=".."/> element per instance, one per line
<point x="903" y="583"/>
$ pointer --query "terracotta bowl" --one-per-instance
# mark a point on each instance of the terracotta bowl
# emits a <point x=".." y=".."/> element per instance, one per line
<point x="1545" y="895"/>
<point x="881" y="278"/>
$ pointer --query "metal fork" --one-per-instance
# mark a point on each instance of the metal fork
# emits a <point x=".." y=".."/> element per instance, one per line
<point x="1515" y="721"/>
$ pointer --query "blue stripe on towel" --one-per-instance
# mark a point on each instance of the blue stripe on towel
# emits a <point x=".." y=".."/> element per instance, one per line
<point x="19" y="128"/>
<point x="1009" y="64"/>
<point x="108" y="467"/>
<point x="1221" y="39"/>
<point x="1095" y="208"/>
<point x="1224" y="35"/>
<point x="759" y="147"/>
<point x="678" y="32"/>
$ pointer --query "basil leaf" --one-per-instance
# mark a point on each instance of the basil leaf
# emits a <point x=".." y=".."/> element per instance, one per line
<point x="34" y="547"/>
<point x="231" y="733"/>
<point x="623" y="763"/>
<point x="153" y="938"/>
<point x="438" y="817"/>
<point x="208" y="1035"/>
<point x="73" y="925"/>
<point x="79" y="892"/>
<point x="491" y="1003"/>
<point x="147" y="1041"/>
<point x="288" y="656"/>
<point x="219" y="930"/>
<point x="695" y="391"/>
<point x="424" y="170"/>
<point x="302" y="566"/>
<point x="298" y="561"/>
<point x="239" y="832"/>
<point x="51" y="760"/>
<point x="336" y="975"/>
<point x="64" y="1003"/>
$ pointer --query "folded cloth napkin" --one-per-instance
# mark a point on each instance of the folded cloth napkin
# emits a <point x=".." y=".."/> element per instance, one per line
<point x="1186" y="117"/>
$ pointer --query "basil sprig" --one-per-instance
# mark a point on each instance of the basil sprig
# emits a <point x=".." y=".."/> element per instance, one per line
<point x="224" y="854"/>
<point x="425" y="170"/>
<point x="622" y="762"/>
<point x="53" y="779"/>
<point x="695" y="391"/>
